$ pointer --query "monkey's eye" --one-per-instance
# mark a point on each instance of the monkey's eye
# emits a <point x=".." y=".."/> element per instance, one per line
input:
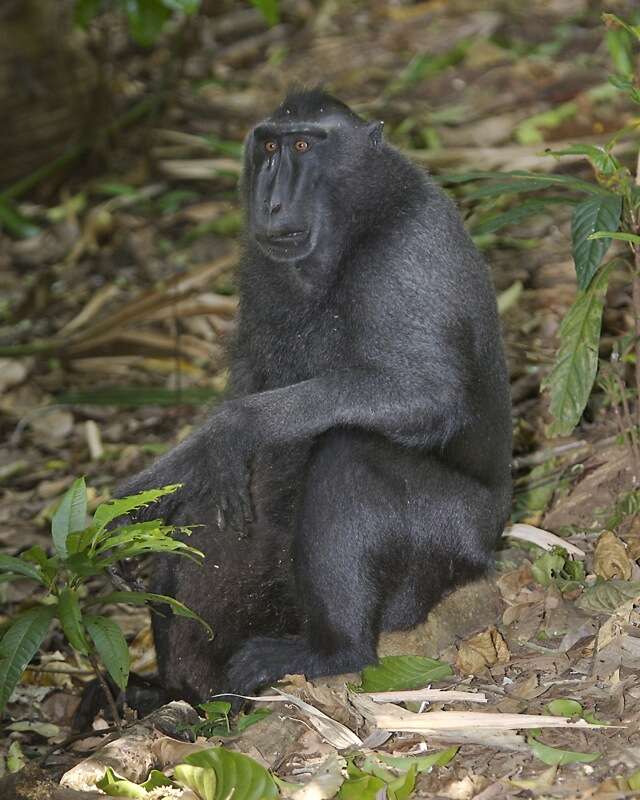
<point x="301" y="145"/>
<point x="271" y="147"/>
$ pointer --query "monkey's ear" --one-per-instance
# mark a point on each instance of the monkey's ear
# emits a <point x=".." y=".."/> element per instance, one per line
<point x="374" y="129"/>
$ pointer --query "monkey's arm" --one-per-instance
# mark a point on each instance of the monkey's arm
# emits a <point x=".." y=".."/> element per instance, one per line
<point x="214" y="462"/>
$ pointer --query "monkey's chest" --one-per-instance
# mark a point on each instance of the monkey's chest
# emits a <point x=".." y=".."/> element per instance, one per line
<point x="297" y="352"/>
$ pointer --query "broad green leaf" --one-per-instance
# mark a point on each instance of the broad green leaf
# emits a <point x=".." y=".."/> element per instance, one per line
<point x="553" y="755"/>
<point x="571" y="379"/>
<point x="111" y="647"/>
<point x="20" y="567"/>
<point x="19" y="645"/>
<point x="422" y="763"/>
<point x="528" y="208"/>
<point x="618" y="235"/>
<point x="70" y="516"/>
<point x="366" y="787"/>
<point x="201" y="780"/>
<point x="605" y="596"/>
<point x="403" y="672"/>
<point x="112" y="509"/>
<point x="620" y="46"/>
<point x="596" y="214"/>
<point x="141" y="598"/>
<point x="237" y="775"/>
<point x="563" y="707"/>
<point x="70" y="617"/>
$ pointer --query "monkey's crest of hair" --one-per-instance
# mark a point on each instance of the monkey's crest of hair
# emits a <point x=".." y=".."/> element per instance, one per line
<point x="313" y="104"/>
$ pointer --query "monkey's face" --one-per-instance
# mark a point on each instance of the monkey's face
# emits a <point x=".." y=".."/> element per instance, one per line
<point x="299" y="190"/>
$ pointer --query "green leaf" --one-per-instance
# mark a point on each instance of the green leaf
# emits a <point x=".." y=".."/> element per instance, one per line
<point x="366" y="787"/>
<point x="620" y="45"/>
<point x="634" y="781"/>
<point x="86" y="10"/>
<point x="270" y="10"/>
<point x="523" y="210"/>
<point x="15" y="223"/>
<point x="618" y="235"/>
<point x="402" y="787"/>
<point x="422" y="763"/>
<point x="506" y="181"/>
<point x="200" y="780"/>
<point x="106" y="512"/>
<point x="571" y="379"/>
<point x="48" y="566"/>
<point x="70" y="516"/>
<point x="111" y="647"/>
<point x="237" y="775"/>
<point x="403" y="672"/>
<point x="19" y="645"/>
<point x="141" y="598"/>
<point x="20" y="567"/>
<point x="15" y="757"/>
<point x="563" y="707"/>
<point x="595" y="214"/>
<point x="547" y="567"/>
<point x="552" y="755"/>
<point x="183" y="6"/>
<point x="613" y="21"/>
<point x="115" y="786"/>
<point x="605" y="597"/>
<point x="70" y="617"/>
<point x="603" y="161"/>
<point x="147" y="19"/>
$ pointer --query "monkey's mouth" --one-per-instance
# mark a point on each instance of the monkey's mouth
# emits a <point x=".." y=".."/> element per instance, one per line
<point x="285" y="246"/>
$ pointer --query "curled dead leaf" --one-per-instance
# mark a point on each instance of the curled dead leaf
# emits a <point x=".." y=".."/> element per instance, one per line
<point x="611" y="559"/>
<point x="482" y="651"/>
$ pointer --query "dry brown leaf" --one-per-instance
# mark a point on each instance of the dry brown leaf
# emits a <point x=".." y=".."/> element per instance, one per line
<point x="611" y="559"/>
<point x="482" y="651"/>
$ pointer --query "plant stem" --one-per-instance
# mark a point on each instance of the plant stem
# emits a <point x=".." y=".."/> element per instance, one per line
<point x="636" y="317"/>
<point x="107" y="691"/>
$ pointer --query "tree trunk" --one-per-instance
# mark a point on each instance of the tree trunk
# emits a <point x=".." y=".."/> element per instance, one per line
<point x="47" y="80"/>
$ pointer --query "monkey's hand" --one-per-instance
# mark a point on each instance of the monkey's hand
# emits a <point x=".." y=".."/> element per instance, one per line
<point x="212" y="465"/>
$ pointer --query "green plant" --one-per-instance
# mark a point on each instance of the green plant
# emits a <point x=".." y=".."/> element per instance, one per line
<point x="604" y="209"/>
<point x="146" y="18"/>
<point x="81" y="552"/>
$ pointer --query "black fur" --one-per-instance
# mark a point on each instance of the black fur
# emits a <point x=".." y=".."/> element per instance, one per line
<point x="360" y="465"/>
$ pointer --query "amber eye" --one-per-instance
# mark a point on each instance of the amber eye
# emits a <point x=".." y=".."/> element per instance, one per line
<point x="271" y="147"/>
<point x="301" y="145"/>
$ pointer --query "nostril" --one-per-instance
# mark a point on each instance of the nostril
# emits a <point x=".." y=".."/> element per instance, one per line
<point x="275" y="207"/>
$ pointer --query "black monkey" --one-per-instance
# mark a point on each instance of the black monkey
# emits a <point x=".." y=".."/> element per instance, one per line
<point x="359" y="467"/>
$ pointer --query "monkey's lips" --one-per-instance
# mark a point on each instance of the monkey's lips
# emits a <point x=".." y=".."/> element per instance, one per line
<point x="284" y="246"/>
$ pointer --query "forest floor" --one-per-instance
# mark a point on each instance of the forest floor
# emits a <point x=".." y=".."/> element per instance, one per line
<point x="124" y="295"/>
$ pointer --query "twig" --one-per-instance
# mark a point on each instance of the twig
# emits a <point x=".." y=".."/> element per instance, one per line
<point x="107" y="691"/>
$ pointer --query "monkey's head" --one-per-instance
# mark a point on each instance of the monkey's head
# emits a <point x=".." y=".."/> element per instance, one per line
<point x="305" y="177"/>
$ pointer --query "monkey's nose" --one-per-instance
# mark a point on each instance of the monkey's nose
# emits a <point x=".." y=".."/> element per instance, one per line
<point x="275" y="207"/>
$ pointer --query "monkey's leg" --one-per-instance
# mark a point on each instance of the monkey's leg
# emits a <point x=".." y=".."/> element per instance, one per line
<point x="348" y="556"/>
